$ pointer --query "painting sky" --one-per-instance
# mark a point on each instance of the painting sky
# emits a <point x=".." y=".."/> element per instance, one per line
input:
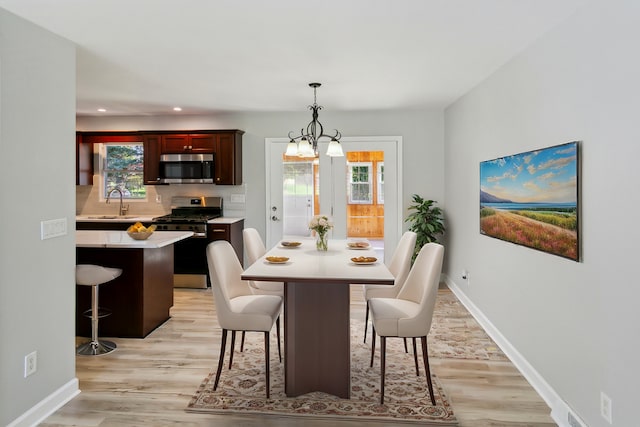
<point x="548" y="175"/>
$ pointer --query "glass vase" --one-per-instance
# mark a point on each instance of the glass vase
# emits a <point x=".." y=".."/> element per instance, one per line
<point x="321" y="242"/>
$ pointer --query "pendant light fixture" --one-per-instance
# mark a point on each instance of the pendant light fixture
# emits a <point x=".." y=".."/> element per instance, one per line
<point x="306" y="144"/>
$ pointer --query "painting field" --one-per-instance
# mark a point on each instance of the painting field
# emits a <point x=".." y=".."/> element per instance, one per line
<point x="531" y="199"/>
<point x="518" y="227"/>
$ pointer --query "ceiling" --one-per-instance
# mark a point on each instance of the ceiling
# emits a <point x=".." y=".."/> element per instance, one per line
<point x="141" y="57"/>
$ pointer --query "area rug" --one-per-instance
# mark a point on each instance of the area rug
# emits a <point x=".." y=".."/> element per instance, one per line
<point x="242" y="390"/>
<point x="454" y="334"/>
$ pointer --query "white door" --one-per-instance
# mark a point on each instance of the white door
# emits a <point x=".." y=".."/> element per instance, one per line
<point x="332" y="189"/>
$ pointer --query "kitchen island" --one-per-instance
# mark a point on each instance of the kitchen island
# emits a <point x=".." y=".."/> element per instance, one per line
<point x="141" y="297"/>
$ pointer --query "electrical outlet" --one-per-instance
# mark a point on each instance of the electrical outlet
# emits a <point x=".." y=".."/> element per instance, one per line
<point x="237" y="198"/>
<point x="574" y="421"/>
<point x="606" y="409"/>
<point x="465" y="276"/>
<point x="30" y="363"/>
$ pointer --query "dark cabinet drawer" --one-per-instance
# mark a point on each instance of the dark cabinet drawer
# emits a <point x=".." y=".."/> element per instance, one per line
<point x="229" y="232"/>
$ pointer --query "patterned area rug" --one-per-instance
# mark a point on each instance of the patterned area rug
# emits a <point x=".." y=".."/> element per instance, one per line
<point x="454" y="334"/>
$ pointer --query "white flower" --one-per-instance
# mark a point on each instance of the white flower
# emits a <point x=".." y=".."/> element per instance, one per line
<point x="320" y="224"/>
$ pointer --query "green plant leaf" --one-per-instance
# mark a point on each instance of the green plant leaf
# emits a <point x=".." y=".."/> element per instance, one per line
<point x="426" y="220"/>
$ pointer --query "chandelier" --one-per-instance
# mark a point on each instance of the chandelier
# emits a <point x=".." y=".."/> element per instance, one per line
<point x="306" y="144"/>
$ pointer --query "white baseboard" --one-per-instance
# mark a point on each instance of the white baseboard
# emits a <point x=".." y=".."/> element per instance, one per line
<point x="559" y="409"/>
<point x="48" y="405"/>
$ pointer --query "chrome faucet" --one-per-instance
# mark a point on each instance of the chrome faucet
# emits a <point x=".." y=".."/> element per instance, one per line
<point x="123" y="209"/>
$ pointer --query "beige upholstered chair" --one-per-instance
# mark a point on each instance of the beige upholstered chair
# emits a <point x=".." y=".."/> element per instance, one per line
<point x="399" y="266"/>
<point x="409" y="315"/>
<point x="236" y="307"/>
<point x="254" y="249"/>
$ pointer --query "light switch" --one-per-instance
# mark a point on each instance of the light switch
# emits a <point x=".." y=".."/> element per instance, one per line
<point x="53" y="228"/>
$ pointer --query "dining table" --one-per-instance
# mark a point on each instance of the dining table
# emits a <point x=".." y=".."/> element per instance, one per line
<point x="317" y="354"/>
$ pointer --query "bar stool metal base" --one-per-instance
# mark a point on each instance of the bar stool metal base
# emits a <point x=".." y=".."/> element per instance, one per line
<point x="96" y="348"/>
<point x="94" y="275"/>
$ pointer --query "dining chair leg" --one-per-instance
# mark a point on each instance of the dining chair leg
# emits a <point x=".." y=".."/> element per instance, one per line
<point x="425" y="356"/>
<point x="242" y="342"/>
<point x="373" y="344"/>
<point x="383" y="357"/>
<point x="415" y="356"/>
<point x="266" y="360"/>
<point x="233" y="346"/>
<point x="278" y="336"/>
<point x="366" y="321"/>
<point x="406" y="349"/>
<point x="223" y="347"/>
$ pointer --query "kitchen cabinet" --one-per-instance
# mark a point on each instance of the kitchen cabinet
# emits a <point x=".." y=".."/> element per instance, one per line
<point x="228" y="158"/>
<point x="226" y="146"/>
<point x="188" y="143"/>
<point x="229" y="231"/>
<point x="84" y="161"/>
<point x="141" y="298"/>
<point x="84" y="150"/>
<point x="104" y="225"/>
<point x="152" y="150"/>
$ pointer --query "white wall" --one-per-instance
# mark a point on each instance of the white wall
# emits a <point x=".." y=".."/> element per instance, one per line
<point x="422" y="132"/>
<point x="577" y="324"/>
<point x="37" y="286"/>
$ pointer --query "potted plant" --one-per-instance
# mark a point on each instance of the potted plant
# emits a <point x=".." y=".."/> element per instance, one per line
<point x="426" y="221"/>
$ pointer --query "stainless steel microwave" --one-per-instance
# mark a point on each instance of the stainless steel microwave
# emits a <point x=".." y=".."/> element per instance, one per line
<point x="186" y="169"/>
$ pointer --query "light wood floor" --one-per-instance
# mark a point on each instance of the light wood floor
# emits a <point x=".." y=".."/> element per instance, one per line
<point x="149" y="382"/>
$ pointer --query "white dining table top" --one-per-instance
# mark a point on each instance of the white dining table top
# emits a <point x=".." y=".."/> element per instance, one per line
<point x="307" y="264"/>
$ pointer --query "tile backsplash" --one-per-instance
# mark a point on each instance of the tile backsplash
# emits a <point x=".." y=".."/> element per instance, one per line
<point x="89" y="202"/>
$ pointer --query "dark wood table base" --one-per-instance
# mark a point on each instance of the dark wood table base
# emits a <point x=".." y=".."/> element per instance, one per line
<point x="317" y="352"/>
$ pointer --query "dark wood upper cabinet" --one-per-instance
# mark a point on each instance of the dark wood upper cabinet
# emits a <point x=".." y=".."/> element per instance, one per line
<point x="228" y="158"/>
<point x="152" y="150"/>
<point x="84" y="150"/>
<point x="226" y="145"/>
<point x="188" y="143"/>
<point x="84" y="161"/>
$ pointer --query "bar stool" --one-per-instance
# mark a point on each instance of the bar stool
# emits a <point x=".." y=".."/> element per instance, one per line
<point x="95" y="275"/>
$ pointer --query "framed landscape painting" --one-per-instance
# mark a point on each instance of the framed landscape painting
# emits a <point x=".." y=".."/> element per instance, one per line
<point x="532" y="199"/>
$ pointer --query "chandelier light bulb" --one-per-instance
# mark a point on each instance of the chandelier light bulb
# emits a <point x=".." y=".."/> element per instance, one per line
<point x="305" y="149"/>
<point x="334" y="149"/>
<point x="292" y="148"/>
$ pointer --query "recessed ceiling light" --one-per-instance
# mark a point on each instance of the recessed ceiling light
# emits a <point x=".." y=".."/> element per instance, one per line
<point x="177" y="109"/>
<point x="102" y="110"/>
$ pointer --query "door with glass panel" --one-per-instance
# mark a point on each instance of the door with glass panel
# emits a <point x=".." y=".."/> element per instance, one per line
<point x="349" y="189"/>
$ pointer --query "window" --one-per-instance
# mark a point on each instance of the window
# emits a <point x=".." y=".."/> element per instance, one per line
<point x="360" y="188"/>
<point x="122" y="168"/>
<point x="380" y="179"/>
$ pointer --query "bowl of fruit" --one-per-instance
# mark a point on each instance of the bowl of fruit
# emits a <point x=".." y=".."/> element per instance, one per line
<point x="139" y="232"/>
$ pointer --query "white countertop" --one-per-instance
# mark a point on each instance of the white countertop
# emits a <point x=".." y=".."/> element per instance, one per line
<point x="307" y="264"/>
<point x="225" y="220"/>
<point x="120" y="239"/>
<point x="143" y="219"/>
<point x="115" y="218"/>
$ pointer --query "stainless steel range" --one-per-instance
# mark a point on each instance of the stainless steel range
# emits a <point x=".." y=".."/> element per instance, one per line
<point x="191" y="214"/>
